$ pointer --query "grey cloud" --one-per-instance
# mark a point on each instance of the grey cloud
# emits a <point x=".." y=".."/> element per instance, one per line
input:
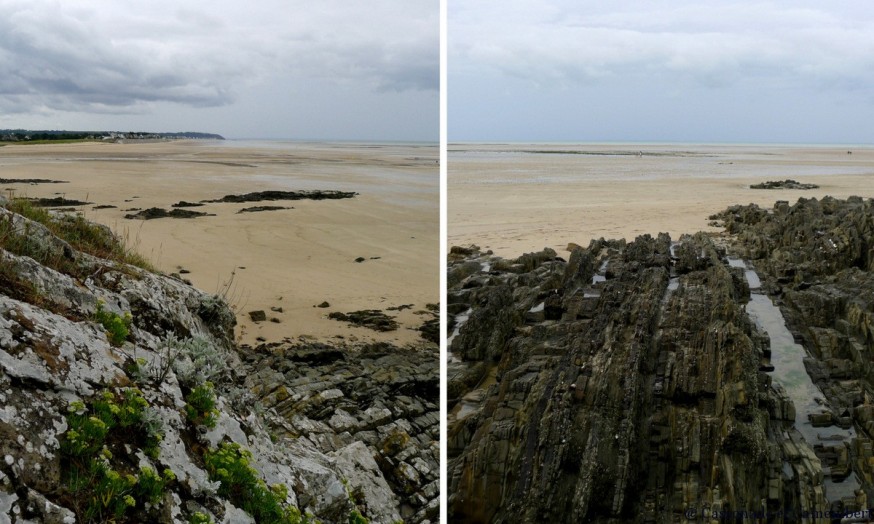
<point x="98" y="57"/>
<point x="715" y="43"/>
<point x="58" y="61"/>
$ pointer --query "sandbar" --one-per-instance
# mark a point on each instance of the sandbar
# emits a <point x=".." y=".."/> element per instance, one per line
<point x="516" y="198"/>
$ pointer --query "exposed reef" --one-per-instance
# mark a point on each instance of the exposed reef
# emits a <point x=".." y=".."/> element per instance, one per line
<point x="625" y="384"/>
<point x="157" y="212"/>
<point x="816" y="258"/>
<point x="31" y="181"/>
<point x="284" y="195"/>
<point x="783" y="184"/>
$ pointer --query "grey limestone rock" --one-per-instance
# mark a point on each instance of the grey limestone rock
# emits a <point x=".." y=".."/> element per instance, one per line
<point x="54" y="353"/>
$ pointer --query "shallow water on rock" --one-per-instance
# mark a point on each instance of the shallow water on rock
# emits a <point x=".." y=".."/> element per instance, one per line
<point x="787" y="357"/>
<point x="460" y="319"/>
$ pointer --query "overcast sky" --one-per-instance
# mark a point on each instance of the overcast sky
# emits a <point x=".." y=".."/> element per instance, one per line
<point x="261" y="69"/>
<point x="661" y="70"/>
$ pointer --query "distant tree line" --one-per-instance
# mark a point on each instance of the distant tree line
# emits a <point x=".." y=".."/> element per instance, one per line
<point x="24" y="135"/>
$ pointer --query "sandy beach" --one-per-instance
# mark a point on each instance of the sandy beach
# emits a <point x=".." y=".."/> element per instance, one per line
<point x="289" y="259"/>
<point x="515" y="198"/>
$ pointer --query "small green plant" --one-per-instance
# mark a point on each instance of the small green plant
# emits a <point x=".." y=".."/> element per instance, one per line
<point x="117" y="326"/>
<point x="355" y="497"/>
<point x="153" y="425"/>
<point x="200" y="405"/>
<point x="199" y="518"/>
<point x="111" y="493"/>
<point x="151" y="485"/>
<point x="89" y="428"/>
<point x="239" y="481"/>
<point x="115" y="421"/>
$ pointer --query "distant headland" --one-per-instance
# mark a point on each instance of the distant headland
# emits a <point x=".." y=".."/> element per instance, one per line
<point x="38" y="136"/>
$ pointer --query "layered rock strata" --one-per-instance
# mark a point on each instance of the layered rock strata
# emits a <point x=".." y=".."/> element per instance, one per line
<point x="624" y="384"/>
<point x="816" y="259"/>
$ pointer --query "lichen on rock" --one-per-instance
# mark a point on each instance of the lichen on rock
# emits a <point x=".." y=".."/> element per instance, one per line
<point x="58" y="365"/>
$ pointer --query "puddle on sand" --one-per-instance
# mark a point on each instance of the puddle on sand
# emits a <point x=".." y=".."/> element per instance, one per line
<point x="787" y="357"/>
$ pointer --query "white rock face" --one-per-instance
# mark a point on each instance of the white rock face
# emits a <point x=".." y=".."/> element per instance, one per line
<point x="52" y="353"/>
<point x="362" y="472"/>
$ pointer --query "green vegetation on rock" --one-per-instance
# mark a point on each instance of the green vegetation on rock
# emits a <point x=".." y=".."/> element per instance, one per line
<point x="200" y="405"/>
<point x="100" y="489"/>
<point x="81" y="234"/>
<point x="117" y="326"/>
<point x="229" y="465"/>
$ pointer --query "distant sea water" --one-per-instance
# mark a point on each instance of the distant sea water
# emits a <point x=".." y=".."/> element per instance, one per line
<point x="372" y="168"/>
<point x="282" y="143"/>
<point x="539" y="163"/>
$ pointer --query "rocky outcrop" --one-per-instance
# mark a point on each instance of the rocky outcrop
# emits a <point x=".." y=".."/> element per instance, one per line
<point x="31" y="181"/>
<point x="285" y="195"/>
<point x="369" y="318"/>
<point x="783" y="184"/>
<point x="124" y="398"/>
<point x="157" y="212"/>
<point x="816" y="259"/>
<point x="624" y="384"/>
<point x="373" y="407"/>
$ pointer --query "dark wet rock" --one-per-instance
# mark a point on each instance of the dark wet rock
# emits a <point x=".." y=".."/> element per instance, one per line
<point x="256" y="209"/>
<point x="183" y="203"/>
<point x="276" y="309"/>
<point x="324" y="304"/>
<point x="400" y="308"/>
<point x="157" y="212"/>
<point x="258" y="316"/>
<point x="816" y="259"/>
<point x="286" y="195"/>
<point x="369" y="318"/>
<point x="31" y="181"/>
<point x="105" y="206"/>
<point x="360" y="259"/>
<point x="463" y="251"/>
<point x="430" y="330"/>
<point x="783" y="184"/>
<point x="615" y="399"/>
<point x="57" y="202"/>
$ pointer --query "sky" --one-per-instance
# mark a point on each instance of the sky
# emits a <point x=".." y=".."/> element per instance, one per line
<point x="332" y="69"/>
<point x="661" y="71"/>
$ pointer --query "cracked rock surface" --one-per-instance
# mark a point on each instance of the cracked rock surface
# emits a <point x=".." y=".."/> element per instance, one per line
<point x="343" y="428"/>
<point x="624" y="384"/>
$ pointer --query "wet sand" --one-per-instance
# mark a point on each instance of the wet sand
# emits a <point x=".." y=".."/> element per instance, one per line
<point x="291" y="259"/>
<point x="515" y="198"/>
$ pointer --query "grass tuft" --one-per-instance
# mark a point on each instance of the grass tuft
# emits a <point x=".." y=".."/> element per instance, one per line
<point x="81" y="234"/>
